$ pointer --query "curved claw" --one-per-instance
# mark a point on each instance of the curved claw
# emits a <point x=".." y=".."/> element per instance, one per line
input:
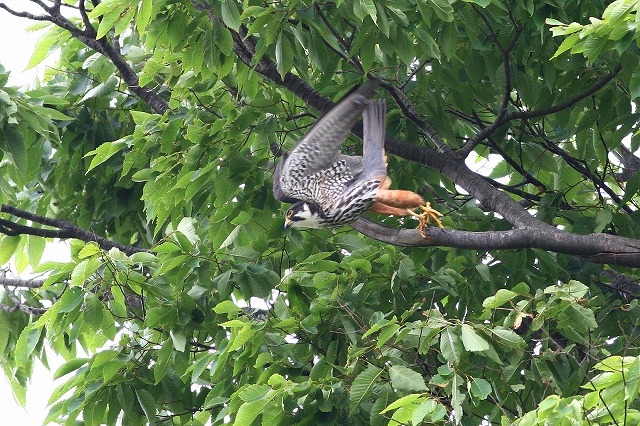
<point x="427" y="214"/>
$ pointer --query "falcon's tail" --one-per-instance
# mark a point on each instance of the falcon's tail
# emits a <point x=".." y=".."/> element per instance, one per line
<point x="373" y="124"/>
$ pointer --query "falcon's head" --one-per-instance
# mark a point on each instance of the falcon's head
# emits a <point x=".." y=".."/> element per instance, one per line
<point x="304" y="215"/>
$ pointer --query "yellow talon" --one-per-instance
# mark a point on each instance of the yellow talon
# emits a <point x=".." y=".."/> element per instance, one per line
<point x="427" y="214"/>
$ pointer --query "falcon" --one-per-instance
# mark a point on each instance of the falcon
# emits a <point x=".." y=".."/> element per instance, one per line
<point x="329" y="189"/>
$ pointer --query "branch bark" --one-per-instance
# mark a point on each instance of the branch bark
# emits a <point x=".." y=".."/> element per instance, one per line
<point x="62" y="229"/>
<point x="596" y="248"/>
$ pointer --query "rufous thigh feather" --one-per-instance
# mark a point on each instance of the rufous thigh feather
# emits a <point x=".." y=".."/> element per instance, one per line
<point x="399" y="198"/>
<point x="388" y="210"/>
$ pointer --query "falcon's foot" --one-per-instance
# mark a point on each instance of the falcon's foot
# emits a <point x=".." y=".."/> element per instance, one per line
<point x="427" y="214"/>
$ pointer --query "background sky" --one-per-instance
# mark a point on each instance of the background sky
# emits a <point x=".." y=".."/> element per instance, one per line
<point x="16" y="46"/>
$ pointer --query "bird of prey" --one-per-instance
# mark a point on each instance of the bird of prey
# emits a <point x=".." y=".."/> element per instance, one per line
<point x="330" y="189"/>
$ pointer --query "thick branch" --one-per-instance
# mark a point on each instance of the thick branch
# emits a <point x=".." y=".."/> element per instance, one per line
<point x="17" y="282"/>
<point x="63" y="229"/>
<point x="597" y="248"/>
<point x="17" y="304"/>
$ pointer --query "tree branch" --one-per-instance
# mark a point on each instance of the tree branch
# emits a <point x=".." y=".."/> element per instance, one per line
<point x="88" y="37"/>
<point x="63" y="230"/>
<point x="520" y="115"/>
<point x="596" y="248"/>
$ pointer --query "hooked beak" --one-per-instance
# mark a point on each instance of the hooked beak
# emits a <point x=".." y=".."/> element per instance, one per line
<point x="287" y="223"/>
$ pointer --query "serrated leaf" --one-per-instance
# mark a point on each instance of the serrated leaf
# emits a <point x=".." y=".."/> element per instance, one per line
<point x="243" y="336"/>
<point x="634" y="83"/>
<point x="13" y="144"/>
<point x="179" y="340"/>
<point x="508" y="338"/>
<point x="83" y="271"/>
<point x="69" y="366"/>
<point x="450" y="345"/>
<point x="284" y="54"/>
<point x="45" y="46"/>
<point x="362" y="386"/>
<point x="443" y="9"/>
<point x="8" y="245"/>
<point x="148" y="404"/>
<point x="144" y="15"/>
<point x="111" y="16"/>
<point x="88" y="250"/>
<point x="225" y="307"/>
<point x="501" y="297"/>
<point x="25" y="345"/>
<point x="480" y="388"/>
<point x="230" y="14"/>
<point x="386" y="333"/>
<point x="472" y="340"/>
<point x="403" y="378"/>
<point x="104" y="152"/>
<point x="101" y="89"/>
<point x="566" y="44"/>
<point x="159" y="315"/>
<point x="70" y="300"/>
<point x="603" y="218"/>
<point x="249" y="411"/>
<point x="187" y="228"/>
<point x="405" y="400"/>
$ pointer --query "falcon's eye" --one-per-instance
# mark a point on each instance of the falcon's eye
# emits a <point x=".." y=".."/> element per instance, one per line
<point x="289" y="214"/>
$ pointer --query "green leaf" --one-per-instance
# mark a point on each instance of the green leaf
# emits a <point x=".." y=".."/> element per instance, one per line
<point x="163" y="359"/>
<point x="89" y="250"/>
<point x="284" y="54"/>
<point x="443" y="9"/>
<point x="83" y="271"/>
<point x="480" y="388"/>
<point x="13" y="144"/>
<point x="508" y="338"/>
<point x="148" y="404"/>
<point x="402" y="402"/>
<point x="8" y="246"/>
<point x="450" y="345"/>
<point x="71" y="299"/>
<point x="421" y="411"/>
<point x="46" y="46"/>
<point x="100" y="90"/>
<point x="69" y="366"/>
<point x="501" y="297"/>
<point x="144" y="15"/>
<point x="634" y="83"/>
<point x="566" y="44"/>
<point x="242" y="337"/>
<point x="471" y="340"/>
<point x="230" y="14"/>
<point x="362" y="386"/>
<point x="179" y="340"/>
<point x="159" y="315"/>
<point x="35" y="249"/>
<point x="603" y="218"/>
<point x="110" y="16"/>
<point x="249" y="411"/>
<point x="104" y="152"/>
<point x="386" y="333"/>
<point x="226" y="307"/>
<point x="406" y="379"/>
<point x="25" y="345"/>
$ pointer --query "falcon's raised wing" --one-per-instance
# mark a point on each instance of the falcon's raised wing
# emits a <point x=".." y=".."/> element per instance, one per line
<point x="320" y="147"/>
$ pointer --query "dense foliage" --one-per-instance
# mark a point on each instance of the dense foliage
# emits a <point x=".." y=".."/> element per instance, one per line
<point x="159" y="130"/>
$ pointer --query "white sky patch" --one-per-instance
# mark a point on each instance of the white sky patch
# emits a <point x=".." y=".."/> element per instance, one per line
<point x="17" y="45"/>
